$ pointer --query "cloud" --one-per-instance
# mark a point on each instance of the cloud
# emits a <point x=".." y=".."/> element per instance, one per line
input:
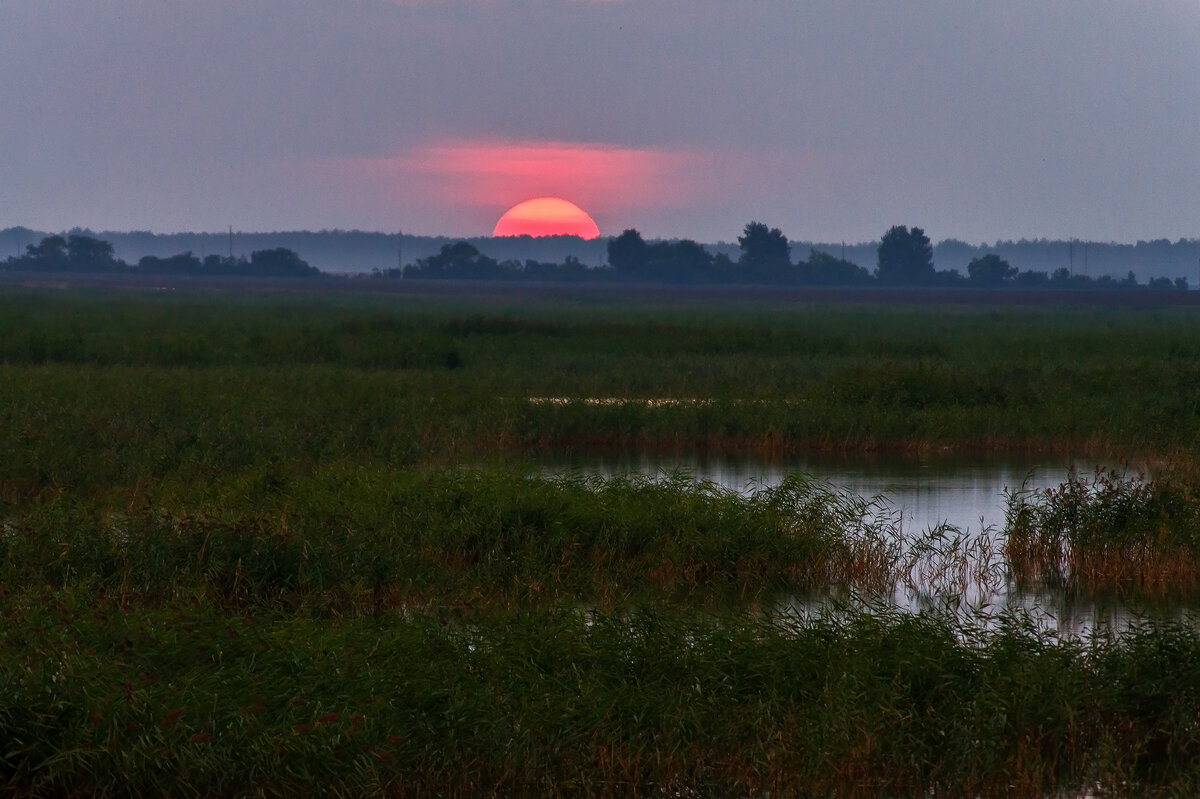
<point x="484" y="172"/>
<point x="468" y="183"/>
<point x="485" y="177"/>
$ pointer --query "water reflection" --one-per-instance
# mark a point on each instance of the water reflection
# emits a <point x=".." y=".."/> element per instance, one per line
<point x="949" y="514"/>
<point x="967" y="493"/>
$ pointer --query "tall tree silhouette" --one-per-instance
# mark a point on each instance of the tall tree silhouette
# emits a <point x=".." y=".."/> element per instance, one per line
<point x="905" y="257"/>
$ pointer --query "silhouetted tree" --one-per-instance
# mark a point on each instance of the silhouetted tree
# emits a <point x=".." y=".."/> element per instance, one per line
<point x="1031" y="279"/>
<point x="281" y="262"/>
<point x="905" y="257"/>
<point x="683" y="261"/>
<point x="631" y="257"/>
<point x="823" y="269"/>
<point x="628" y="254"/>
<point x="74" y="253"/>
<point x="50" y="254"/>
<point x="224" y="265"/>
<point x="87" y="254"/>
<point x="182" y="264"/>
<point x="765" y="251"/>
<point x="459" y="260"/>
<point x="990" y="270"/>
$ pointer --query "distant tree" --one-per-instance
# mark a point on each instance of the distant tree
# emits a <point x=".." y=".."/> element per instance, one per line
<point x="722" y="268"/>
<point x="50" y="254"/>
<point x="182" y="264"/>
<point x="990" y="270"/>
<point x="629" y="254"/>
<point x="765" y="251"/>
<point x="1181" y="283"/>
<point x="683" y="261"/>
<point x="74" y="253"/>
<point x="631" y="257"/>
<point x="571" y="269"/>
<point x="87" y="254"/>
<point x="905" y="257"/>
<point x="823" y="269"/>
<point x="948" y="277"/>
<point x="459" y="260"/>
<point x="280" y="262"/>
<point x="1031" y="279"/>
<point x="223" y="265"/>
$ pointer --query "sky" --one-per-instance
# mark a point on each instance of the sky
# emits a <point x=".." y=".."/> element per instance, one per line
<point x="830" y="119"/>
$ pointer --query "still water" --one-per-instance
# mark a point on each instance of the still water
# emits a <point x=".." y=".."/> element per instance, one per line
<point x="920" y="494"/>
<point x="924" y="492"/>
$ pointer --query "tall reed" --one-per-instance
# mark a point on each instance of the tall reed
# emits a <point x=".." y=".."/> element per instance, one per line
<point x="1107" y="532"/>
<point x="102" y="698"/>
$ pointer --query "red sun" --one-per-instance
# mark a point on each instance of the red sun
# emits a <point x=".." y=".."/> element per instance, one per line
<point x="546" y="216"/>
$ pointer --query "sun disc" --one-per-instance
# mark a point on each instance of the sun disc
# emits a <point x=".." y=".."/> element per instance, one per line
<point x="546" y="216"/>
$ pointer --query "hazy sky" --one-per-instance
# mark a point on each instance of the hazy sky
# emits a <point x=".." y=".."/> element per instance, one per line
<point x="831" y="119"/>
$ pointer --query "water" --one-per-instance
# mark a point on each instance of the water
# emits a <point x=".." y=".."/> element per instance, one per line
<point x="922" y="494"/>
<point x="966" y="493"/>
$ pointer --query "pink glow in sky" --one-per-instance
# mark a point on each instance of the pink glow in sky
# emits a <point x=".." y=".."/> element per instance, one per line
<point x="486" y="177"/>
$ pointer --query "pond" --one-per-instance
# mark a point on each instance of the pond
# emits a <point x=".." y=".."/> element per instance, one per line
<point x="921" y="494"/>
<point x="967" y="493"/>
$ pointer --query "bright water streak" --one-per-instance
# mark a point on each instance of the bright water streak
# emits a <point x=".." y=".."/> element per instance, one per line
<point x="969" y="494"/>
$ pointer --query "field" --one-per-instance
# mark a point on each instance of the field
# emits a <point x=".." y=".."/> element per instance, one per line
<point x="272" y="542"/>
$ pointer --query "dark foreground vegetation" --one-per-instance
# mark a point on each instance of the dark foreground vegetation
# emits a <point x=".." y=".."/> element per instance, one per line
<point x="291" y="545"/>
<point x="106" y="697"/>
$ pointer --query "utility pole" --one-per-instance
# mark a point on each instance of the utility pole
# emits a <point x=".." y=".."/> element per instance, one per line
<point x="400" y="252"/>
<point x="231" y="243"/>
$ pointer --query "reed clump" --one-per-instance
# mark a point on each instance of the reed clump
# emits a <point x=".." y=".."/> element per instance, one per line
<point x="1108" y="532"/>
<point x="350" y="539"/>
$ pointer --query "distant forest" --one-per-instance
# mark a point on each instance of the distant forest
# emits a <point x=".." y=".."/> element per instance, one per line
<point x="760" y="255"/>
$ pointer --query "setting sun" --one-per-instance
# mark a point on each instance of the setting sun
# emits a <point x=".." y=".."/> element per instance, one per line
<point x="546" y="216"/>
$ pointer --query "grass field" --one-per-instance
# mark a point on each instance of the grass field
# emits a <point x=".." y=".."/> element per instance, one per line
<point x="267" y="544"/>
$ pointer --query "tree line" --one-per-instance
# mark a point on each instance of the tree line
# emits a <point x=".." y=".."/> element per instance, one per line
<point x="356" y="251"/>
<point x="904" y="257"/>
<point x="79" y="253"/>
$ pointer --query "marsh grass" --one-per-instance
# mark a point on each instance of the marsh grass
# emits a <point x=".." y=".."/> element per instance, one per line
<point x="240" y="552"/>
<point x="1107" y="532"/>
<point x="102" y="389"/>
<point x="357" y="540"/>
<point x="102" y="698"/>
